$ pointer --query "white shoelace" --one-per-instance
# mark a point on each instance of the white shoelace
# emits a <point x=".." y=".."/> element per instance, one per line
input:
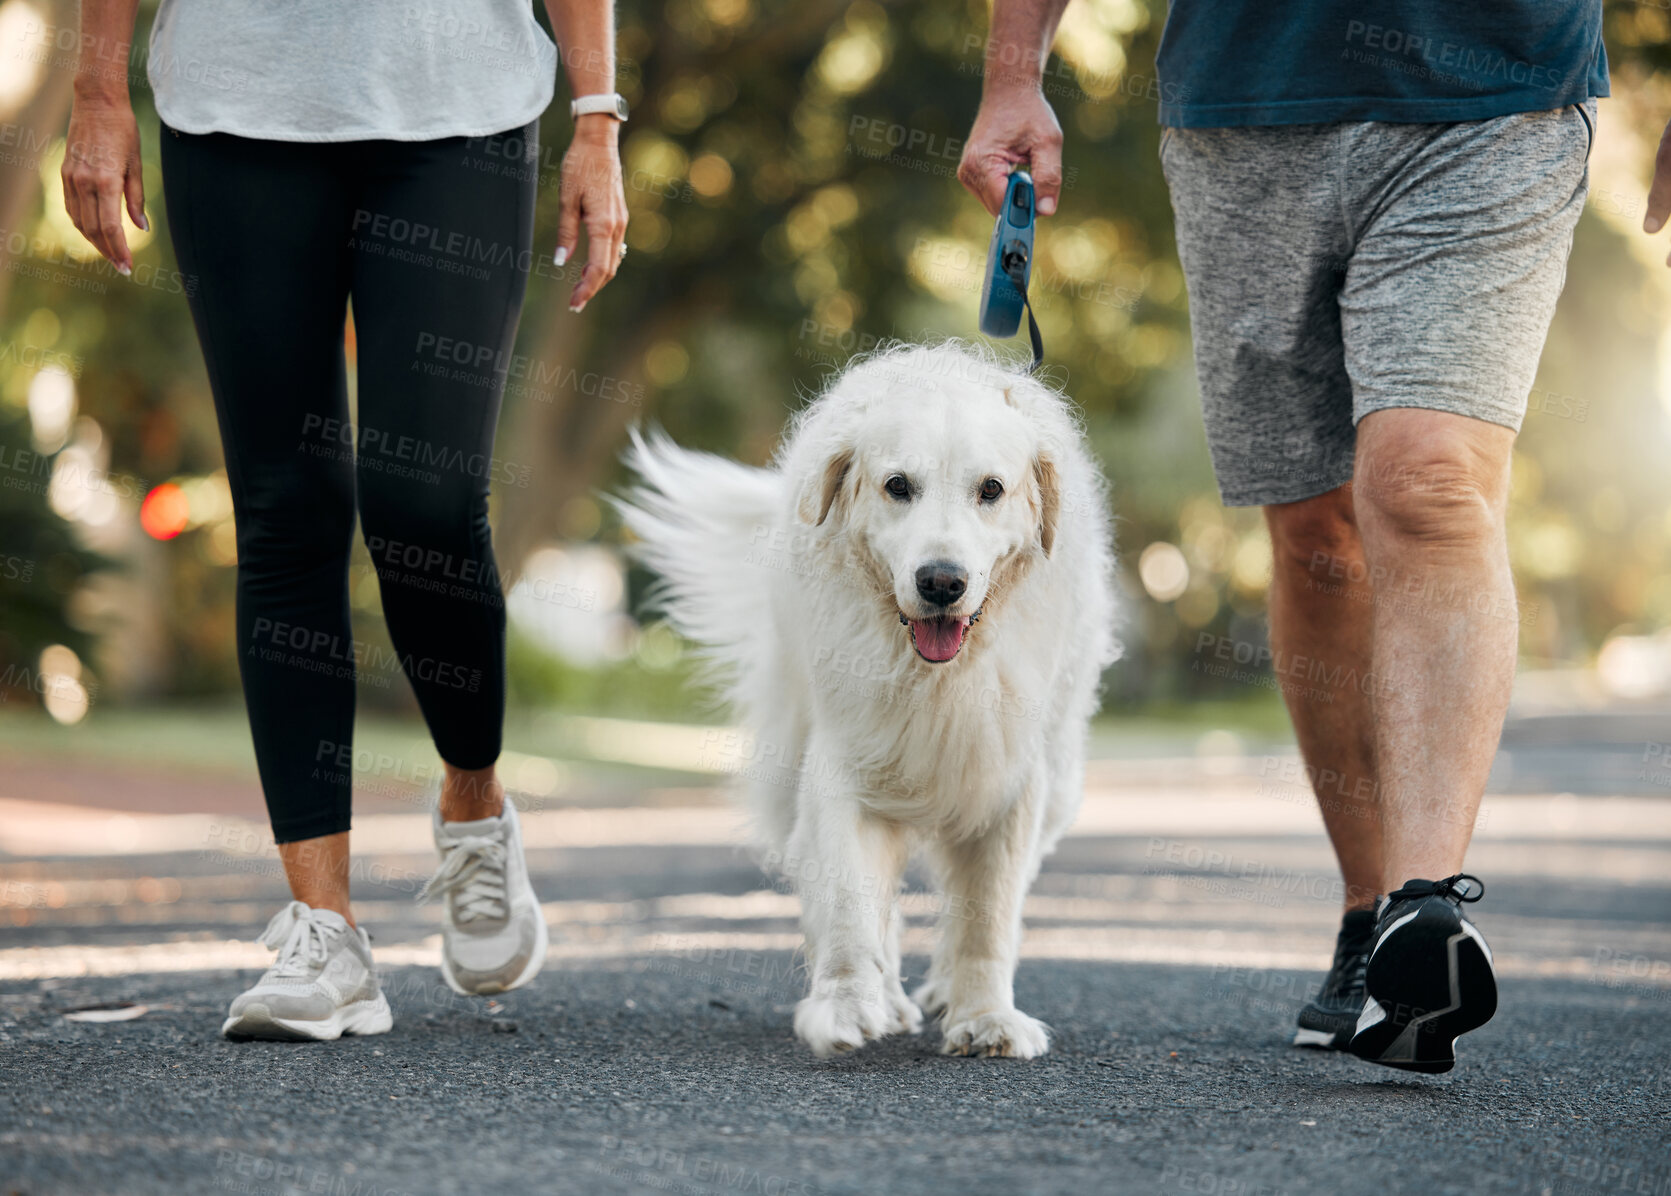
<point x="474" y="873"/>
<point x="302" y="944"/>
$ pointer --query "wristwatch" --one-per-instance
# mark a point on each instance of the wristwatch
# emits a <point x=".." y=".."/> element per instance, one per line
<point x="613" y="105"/>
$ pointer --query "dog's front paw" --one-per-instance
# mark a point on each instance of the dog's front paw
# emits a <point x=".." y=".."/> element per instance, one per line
<point x="1003" y="1033"/>
<point x="833" y="1025"/>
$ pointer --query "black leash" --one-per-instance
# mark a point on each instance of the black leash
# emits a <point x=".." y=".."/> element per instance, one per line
<point x="1015" y="265"/>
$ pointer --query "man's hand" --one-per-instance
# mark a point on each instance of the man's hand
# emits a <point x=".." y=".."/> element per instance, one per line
<point x="102" y="171"/>
<point x="1659" y="193"/>
<point x="592" y="195"/>
<point x="1014" y="126"/>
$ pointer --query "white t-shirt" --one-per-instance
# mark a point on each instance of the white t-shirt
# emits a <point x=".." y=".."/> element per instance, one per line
<point x="350" y="70"/>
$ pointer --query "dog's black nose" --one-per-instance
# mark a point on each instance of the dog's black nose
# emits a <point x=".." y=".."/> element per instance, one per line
<point x="941" y="582"/>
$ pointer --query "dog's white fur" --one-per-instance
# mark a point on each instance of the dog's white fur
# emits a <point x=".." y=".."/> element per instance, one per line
<point x="795" y="579"/>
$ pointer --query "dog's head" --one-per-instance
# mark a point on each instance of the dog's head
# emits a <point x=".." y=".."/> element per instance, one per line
<point x="942" y="469"/>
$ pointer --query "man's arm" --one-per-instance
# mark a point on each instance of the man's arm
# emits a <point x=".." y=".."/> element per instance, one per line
<point x="1015" y="124"/>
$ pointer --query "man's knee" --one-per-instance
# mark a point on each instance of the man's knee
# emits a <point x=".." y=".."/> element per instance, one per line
<point x="1439" y="481"/>
<point x="1315" y="536"/>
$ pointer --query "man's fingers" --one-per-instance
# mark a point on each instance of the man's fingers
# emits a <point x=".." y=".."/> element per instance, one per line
<point x="986" y="177"/>
<point x="1047" y="176"/>
<point x="1659" y="194"/>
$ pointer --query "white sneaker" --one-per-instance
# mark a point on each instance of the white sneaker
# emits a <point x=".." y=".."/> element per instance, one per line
<point x="493" y="938"/>
<point x="322" y="985"/>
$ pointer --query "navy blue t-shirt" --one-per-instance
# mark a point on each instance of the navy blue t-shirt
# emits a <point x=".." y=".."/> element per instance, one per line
<point x="1265" y="62"/>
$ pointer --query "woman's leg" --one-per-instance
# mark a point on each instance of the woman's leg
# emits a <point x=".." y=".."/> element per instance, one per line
<point x="259" y="229"/>
<point x="441" y="255"/>
<point x="441" y="259"/>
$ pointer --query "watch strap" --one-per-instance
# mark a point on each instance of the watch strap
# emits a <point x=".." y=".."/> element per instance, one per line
<point x="610" y="104"/>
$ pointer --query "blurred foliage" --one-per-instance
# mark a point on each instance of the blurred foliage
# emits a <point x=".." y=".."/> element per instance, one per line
<point x="42" y="563"/>
<point x="641" y="686"/>
<point x="790" y="171"/>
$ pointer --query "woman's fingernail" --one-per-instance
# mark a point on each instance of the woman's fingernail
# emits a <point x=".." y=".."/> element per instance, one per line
<point x="577" y="308"/>
<point x="562" y="255"/>
<point x="1047" y="206"/>
<point x="124" y="271"/>
<point x="1652" y="224"/>
<point x="144" y="223"/>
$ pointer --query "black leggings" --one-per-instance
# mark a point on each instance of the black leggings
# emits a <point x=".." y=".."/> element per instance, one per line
<point x="432" y="240"/>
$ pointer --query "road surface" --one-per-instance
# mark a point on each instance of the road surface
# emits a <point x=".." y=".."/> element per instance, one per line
<point x="1170" y="940"/>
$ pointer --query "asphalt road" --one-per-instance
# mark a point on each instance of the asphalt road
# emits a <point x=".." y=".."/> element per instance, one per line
<point x="1170" y="941"/>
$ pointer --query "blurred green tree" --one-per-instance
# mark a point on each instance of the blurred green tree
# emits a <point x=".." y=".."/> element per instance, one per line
<point x="790" y="170"/>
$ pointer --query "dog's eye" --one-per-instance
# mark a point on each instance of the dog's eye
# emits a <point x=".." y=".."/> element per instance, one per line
<point x="991" y="489"/>
<point x="897" y="486"/>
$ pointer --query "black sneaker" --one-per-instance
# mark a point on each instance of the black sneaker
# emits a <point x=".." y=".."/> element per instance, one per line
<point x="1329" y="1019"/>
<point x="1429" y="977"/>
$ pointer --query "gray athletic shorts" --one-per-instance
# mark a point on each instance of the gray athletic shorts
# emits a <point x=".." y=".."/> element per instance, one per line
<point x="1339" y="269"/>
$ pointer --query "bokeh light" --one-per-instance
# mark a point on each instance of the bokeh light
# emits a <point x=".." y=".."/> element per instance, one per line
<point x="166" y="512"/>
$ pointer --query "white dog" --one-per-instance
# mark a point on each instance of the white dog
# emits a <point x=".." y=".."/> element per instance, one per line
<point x="910" y="612"/>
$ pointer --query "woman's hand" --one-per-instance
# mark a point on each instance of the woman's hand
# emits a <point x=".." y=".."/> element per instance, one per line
<point x="101" y="171"/>
<point x="593" y="196"/>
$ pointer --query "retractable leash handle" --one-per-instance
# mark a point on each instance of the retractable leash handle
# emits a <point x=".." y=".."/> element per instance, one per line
<point x="1009" y="265"/>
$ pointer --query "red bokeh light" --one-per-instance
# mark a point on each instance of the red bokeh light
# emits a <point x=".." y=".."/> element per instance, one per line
<point x="165" y="512"/>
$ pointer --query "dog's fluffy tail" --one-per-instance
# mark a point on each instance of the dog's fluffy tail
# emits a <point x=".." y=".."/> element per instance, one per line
<point x="700" y="521"/>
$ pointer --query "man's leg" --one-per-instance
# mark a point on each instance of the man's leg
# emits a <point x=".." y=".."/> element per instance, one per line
<point x="1320" y="609"/>
<point x="1444" y="311"/>
<point x="1430" y="493"/>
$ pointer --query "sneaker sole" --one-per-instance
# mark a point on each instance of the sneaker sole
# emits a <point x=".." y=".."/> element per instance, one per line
<point x="1327" y="1040"/>
<point x="360" y="1018"/>
<point x="1431" y="982"/>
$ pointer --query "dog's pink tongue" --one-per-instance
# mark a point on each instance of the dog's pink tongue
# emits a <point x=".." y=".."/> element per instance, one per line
<point x="938" y="639"/>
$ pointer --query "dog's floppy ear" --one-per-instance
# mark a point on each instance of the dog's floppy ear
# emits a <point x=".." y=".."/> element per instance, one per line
<point x="829" y="488"/>
<point x="1050" y="500"/>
